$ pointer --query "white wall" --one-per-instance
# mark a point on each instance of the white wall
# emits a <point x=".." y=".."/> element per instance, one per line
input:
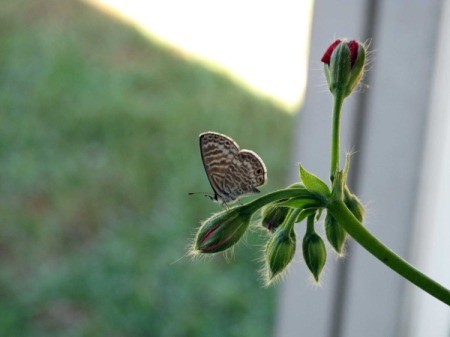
<point x="360" y="296"/>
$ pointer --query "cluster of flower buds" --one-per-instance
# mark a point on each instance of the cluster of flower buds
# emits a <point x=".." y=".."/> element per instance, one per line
<point x="344" y="65"/>
<point x="280" y="211"/>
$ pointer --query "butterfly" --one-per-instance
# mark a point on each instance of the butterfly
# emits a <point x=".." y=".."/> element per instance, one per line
<point x="231" y="172"/>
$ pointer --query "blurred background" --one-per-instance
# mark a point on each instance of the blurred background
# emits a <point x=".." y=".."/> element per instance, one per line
<point x="102" y="102"/>
<point x="99" y="148"/>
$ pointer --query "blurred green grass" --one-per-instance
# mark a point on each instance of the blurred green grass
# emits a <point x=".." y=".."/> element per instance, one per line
<point x="98" y="149"/>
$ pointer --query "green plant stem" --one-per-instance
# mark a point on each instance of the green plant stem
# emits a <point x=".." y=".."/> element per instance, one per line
<point x="287" y="193"/>
<point x="338" y="100"/>
<point x="290" y="222"/>
<point x="310" y="224"/>
<point x="356" y="230"/>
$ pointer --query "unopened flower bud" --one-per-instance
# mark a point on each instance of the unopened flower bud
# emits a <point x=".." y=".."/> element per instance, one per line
<point x="222" y="230"/>
<point x="354" y="205"/>
<point x="279" y="251"/>
<point x="314" y="253"/>
<point x="273" y="216"/>
<point x="336" y="235"/>
<point x="344" y="63"/>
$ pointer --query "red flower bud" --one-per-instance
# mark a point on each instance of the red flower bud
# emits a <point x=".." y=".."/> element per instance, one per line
<point x="344" y="64"/>
<point x="326" y="58"/>
<point x="353" y="46"/>
<point x="222" y="230"/>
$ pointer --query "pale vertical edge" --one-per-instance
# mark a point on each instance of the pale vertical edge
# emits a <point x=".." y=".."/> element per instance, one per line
<point x="392" y="151"/>
<point x="430" y="249"/>
<point x="305" y="309"/>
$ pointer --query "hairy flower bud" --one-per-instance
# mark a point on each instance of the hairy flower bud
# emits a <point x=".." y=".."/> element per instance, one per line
<point x="344" y="64"/>
<point x="279" y="251"/>
<point x="336" y="235"/>
<point x="273" y="216"/>
<point x="314" y="253"/>
<point x="354" y="205"/>
<point x="222" y="230"/>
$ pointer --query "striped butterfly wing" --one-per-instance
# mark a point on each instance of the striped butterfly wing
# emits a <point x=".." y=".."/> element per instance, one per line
<point x="217" y="152"/>
<point x="245" y="173"/>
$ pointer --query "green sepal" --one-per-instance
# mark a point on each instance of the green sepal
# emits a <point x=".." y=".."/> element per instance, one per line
<point x="357" y="71"/>
<point x="312" y="183"/>
<point x="340" y="68"/>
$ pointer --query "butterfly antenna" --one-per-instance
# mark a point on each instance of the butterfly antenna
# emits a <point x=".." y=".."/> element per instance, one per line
<point x="204" y="194"/>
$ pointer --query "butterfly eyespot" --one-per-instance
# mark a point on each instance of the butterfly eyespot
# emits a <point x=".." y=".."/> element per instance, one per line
<point x="260" y="179"/>
<point x="258" y="171"/>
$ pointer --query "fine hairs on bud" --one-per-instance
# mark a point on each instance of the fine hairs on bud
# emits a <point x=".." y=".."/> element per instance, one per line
<point x="279" y="252"/>
<point x="344" y="66"/>
<point x="370" y="57"/>
<point x="191" y="250"/>
<point x="194" y="254"/>
<point x="265" y="275"/>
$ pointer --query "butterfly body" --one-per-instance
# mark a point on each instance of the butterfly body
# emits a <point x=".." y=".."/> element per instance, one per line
<point x="231" y="172"/>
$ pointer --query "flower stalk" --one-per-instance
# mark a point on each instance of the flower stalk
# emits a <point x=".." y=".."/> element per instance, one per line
<point x="338" y="101"/>
<point x="361" y="235"/>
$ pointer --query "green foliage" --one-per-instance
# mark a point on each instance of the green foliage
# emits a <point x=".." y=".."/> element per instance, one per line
<point x="313" y="183"/>
<point x="98" y="149"/>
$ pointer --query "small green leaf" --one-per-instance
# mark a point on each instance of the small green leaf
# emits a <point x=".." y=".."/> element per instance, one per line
<point x="313" y="183"/>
